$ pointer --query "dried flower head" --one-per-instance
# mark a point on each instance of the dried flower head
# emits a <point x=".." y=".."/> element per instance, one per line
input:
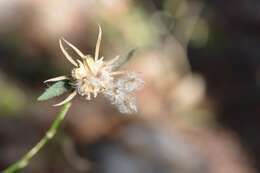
<point x="92" y="76"/>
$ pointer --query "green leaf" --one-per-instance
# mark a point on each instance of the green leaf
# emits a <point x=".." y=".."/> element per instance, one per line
<point x="55" y="90"/>
<point x="123" y="59"/>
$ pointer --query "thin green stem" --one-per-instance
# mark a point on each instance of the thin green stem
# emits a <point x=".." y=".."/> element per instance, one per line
<point x="23" y="162"/>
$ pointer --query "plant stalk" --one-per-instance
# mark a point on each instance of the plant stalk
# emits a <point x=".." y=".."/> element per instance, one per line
<point x="23" y="162"/>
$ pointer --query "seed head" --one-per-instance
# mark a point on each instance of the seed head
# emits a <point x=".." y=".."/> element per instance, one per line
<point x="92" y="76"/>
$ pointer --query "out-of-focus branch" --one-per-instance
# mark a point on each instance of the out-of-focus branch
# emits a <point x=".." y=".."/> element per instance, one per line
<point x="185" y="27"/>
<point x="72" y="157"/>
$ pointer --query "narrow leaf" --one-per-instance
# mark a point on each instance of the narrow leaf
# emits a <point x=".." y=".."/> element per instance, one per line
<point x="122" y="60"/>
<point x="55" y="90"/>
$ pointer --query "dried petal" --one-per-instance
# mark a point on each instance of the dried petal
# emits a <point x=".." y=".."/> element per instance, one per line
<point x="74" y="48"/>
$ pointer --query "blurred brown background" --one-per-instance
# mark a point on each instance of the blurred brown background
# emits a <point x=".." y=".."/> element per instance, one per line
<point x="199" y="108"/>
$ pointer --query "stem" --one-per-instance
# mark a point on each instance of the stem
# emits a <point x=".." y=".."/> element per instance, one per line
<point x="23" y="162"/>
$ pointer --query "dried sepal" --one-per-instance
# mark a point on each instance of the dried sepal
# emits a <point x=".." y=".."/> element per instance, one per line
<point x="74" y="48"/>
<point x="98" y="43"/>
<point x="68" y="99"/>
<point x="67" y="55"/>
<point x="55" y="79"/>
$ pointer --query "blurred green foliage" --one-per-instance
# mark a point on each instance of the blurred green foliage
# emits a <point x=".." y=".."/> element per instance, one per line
<point x="12" y="100"/>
